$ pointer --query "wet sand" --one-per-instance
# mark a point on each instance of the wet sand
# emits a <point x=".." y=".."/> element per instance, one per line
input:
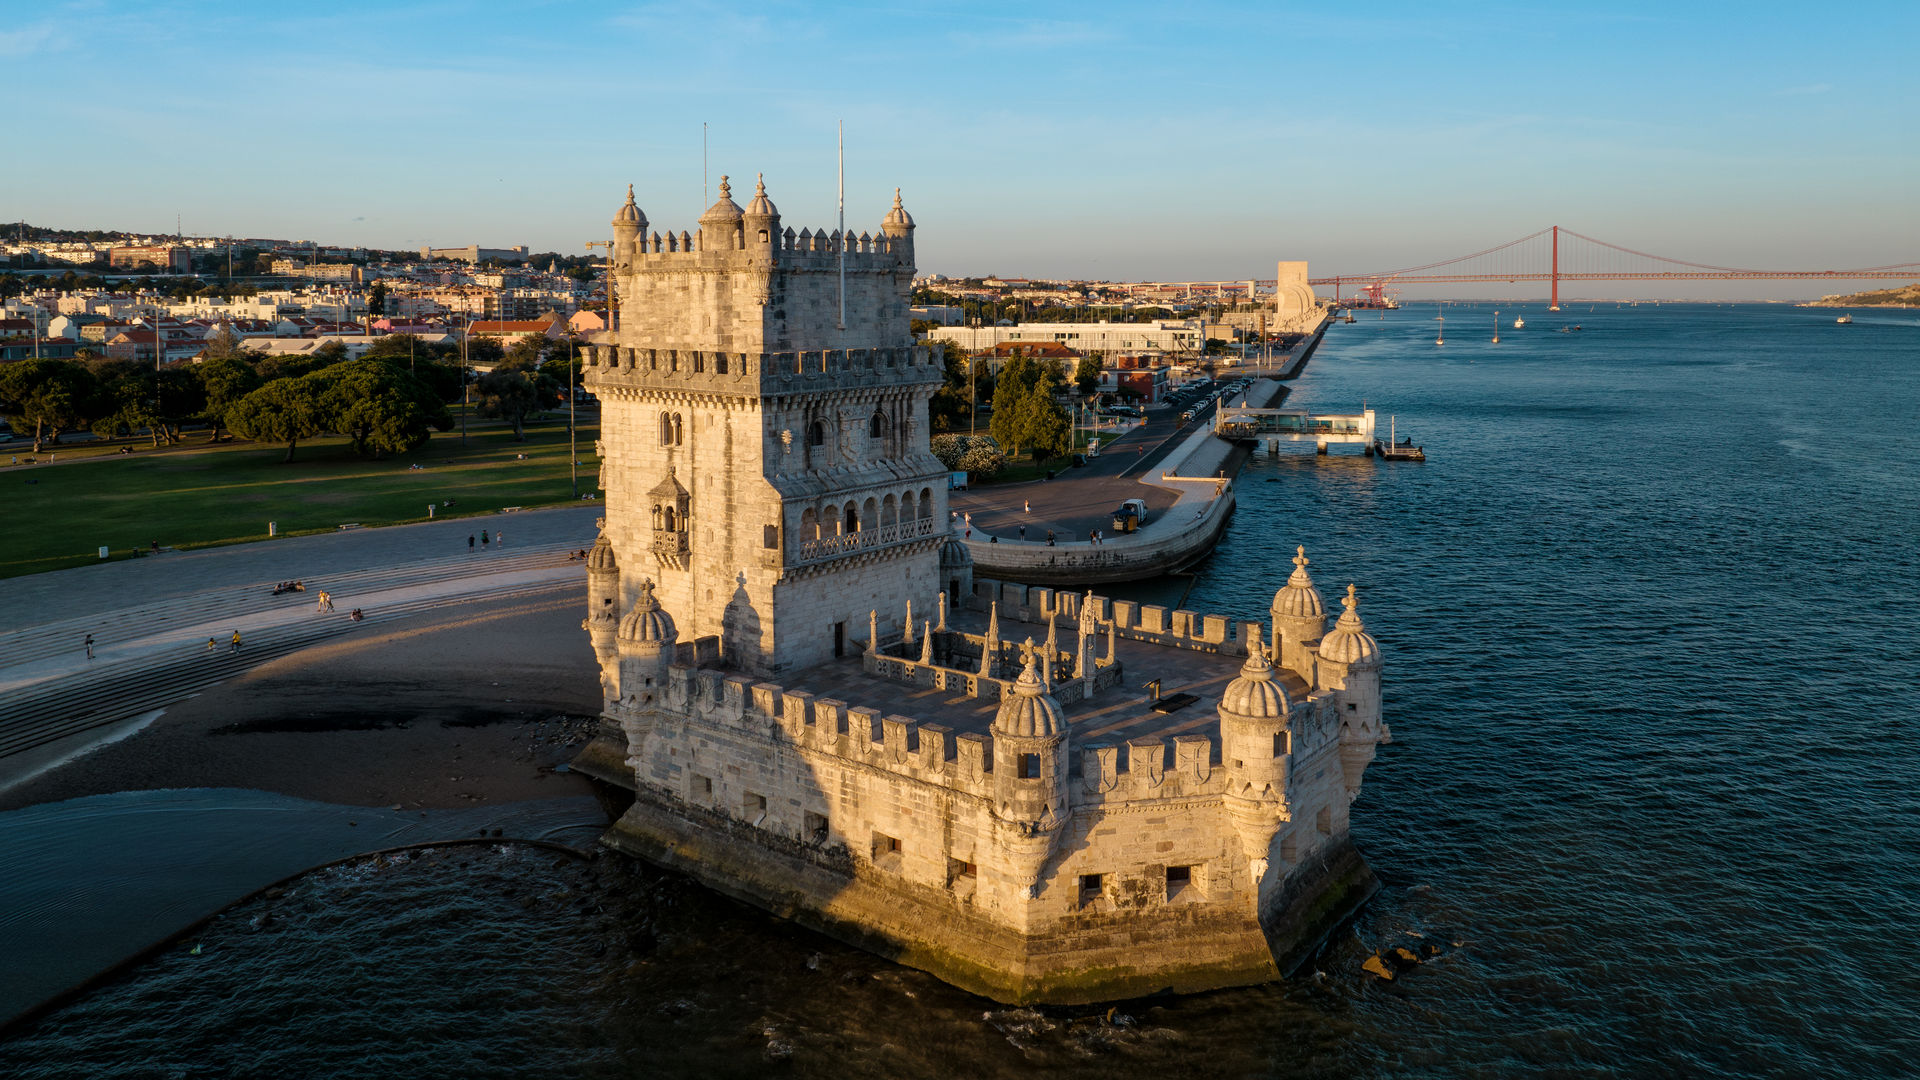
<point x="472" y="704"/>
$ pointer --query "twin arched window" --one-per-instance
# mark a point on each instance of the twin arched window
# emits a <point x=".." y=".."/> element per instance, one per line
<point x="672" y="432"/>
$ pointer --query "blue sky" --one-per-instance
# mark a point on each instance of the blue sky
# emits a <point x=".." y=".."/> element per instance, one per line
<point x="1115" y="140"/>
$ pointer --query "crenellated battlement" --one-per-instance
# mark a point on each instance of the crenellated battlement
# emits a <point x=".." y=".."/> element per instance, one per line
<point x="613" y="368"/>
<point x="804" y="249"/>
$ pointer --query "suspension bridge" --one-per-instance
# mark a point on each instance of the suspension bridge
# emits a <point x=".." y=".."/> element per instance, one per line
<point x="1553" y="255"/>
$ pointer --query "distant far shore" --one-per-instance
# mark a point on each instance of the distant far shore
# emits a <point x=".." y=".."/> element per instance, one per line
<point x="1906" y="296"/>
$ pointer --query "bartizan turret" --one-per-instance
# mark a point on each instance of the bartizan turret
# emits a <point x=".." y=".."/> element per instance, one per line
<point x="1350" y="668"/>
<point x="898" y="226"/>
<point x="721" y="227"/>
<point x="1299" y="620"/>
<point x="1256" y="744"/>
<point x="1029" y="776"/>
<point x="761" y="222"/>
<point x="629" y="226"/>
<point x="646" y="641"/>
<point x="603" y="610"/>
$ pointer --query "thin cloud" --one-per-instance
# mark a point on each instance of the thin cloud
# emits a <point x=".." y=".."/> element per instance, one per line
<point x="35" y="38"/>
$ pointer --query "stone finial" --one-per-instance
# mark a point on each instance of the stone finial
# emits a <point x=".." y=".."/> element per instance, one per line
<point x="943" y="610"/>
<point x="873" y="630"/>
<point x="908" y="632"/>
<point x="726" y="191"/>
<point x="1300" y="561"/>
<point x="926" y="644"/>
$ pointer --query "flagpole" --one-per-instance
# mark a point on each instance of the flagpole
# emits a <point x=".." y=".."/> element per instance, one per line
<point x="843" y="225"/>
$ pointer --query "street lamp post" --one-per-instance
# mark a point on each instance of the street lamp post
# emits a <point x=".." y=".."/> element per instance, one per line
<point x="573" y="455"/>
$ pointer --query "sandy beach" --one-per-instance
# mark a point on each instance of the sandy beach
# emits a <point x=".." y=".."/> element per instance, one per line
<point x="469" y="704"/>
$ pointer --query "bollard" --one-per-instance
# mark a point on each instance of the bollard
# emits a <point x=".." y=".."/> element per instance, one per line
<point x="273" y="528"/>
<point x="103" y="551"/>
<point x="429" y="511"/>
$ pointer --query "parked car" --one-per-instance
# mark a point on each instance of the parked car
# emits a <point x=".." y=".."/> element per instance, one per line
<point x="1130" y="515"/>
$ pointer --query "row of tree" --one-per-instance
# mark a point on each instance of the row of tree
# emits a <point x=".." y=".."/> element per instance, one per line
<point x="386" y="401"/>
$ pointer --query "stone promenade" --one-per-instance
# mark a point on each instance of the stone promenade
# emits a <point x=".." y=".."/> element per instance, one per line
<point x="151" y="618"/>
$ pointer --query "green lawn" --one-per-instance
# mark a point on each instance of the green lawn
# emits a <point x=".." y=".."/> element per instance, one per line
<point x="197" y="497"/>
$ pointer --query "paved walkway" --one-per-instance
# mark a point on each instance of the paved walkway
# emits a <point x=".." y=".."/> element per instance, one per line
<point x="151" y="617"/>
<point x="1078" y="501"/>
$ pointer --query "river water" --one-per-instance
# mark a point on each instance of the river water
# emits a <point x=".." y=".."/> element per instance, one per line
<point x="1650" y="623"/>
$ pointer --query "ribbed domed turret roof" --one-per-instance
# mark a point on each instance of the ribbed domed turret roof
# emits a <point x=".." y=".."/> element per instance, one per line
<point x="630" y="214"/>
<point x="1256" y="694"/>
<point x="724" y="209"/>
<point x="954" y="554"/>
<point x="1349" y="643"/>
<point x="897" y="219"/>
<point x="1297" y="598"/>
<point x="600" y="556"/>
<point x="761" y="206"/>
<point x="1028" y="710"/>
<point x="646" y="622"/>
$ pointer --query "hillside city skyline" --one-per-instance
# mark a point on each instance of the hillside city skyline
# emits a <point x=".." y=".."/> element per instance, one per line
<point x="1126" y="144"/>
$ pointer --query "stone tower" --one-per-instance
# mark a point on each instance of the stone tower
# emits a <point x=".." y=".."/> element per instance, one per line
<point x="764" y="431"/>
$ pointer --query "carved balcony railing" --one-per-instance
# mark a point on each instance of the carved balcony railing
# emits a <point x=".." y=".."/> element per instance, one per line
<point x="822" y="548"/>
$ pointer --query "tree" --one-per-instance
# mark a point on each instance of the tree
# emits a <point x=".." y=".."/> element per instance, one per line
<point x="285" y="410"/>
<point x="1010" y="390"/>
<point x="227" y="380"/>
<point x="381" y="407"/>
<point x="1045" y="428"/>
<point x="1086" y="375"/>
<point x="52" y="396"/>
<point x="294" y="365"/>
<point x="516" y="389"/>
<point x="377" y="299"/>
<point x="951" y="407"/>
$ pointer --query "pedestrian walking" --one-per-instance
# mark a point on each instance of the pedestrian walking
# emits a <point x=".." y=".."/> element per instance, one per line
<point x="1023" y="530"/>
<point x="321" y="604"/>
<point x="236" y="641"/>
<point x="1049" y="537"/>
<point x="211" y="644"/>
<point x="469" y="542"/>
<point x="499" y="540"/>
<point x="483" y="538"/>
<point x="1026" y="506"/>
<point x="89" y="646"/>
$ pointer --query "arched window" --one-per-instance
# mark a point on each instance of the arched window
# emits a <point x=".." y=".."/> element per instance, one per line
<point x="853" y="519"/>
<point x="877" y="426"/>
<point x="678" y="433"/>
<point x="817" y="434"/>
<point x="926" y="502"/>
<point x="809" y="524"/>
<point x="889" y="513"/>
<point x="672" y="526"/>
<point x="666" y="429"/>
<point x="869" y="513"/>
